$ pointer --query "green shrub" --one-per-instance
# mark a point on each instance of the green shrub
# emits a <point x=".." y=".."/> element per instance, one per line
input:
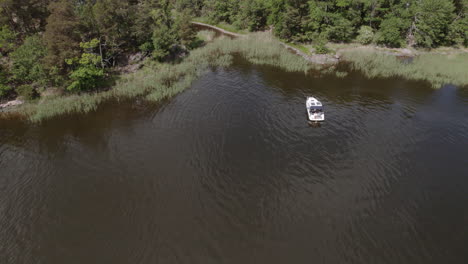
<point x="391" y="32"/>
<point x="458" y="32"/>
<point x="7" y="39"/>
<point x="365" y="35"/>
<point x="4" y="90"/>
<point x="432" y="22"/>
<point x="86" y="76"/>
<point x="26" y="59"/>
<point x="320" y="44"/>
<point x="341" y="31"/>
<point x="26" y="91"/>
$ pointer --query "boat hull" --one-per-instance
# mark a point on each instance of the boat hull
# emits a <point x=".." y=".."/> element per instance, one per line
<point x="314" y="116"/>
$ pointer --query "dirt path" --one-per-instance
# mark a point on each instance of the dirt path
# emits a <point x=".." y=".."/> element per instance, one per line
<point x="219" y="29"/>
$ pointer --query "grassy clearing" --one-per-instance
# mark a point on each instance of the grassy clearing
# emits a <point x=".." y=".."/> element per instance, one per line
<point x="300" y="47"/>
<point x="438" y="69"/>
<point x="159" y="81"/>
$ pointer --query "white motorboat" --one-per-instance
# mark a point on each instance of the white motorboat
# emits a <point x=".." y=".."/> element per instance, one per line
<point x="314" y="109"/>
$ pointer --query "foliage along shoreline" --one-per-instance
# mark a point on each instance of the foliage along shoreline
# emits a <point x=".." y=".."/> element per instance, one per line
<point x="159" y="81"/>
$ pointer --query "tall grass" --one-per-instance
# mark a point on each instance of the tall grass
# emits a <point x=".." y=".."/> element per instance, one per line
<point x="206" y="35"/>
<point x="437" y="69"/>
<point x="160" y="81"/>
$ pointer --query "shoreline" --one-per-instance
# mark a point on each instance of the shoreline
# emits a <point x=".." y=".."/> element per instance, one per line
<point x="341" y="48"/>
<point x="164" y="80"/>
<point x="321" y="59"/>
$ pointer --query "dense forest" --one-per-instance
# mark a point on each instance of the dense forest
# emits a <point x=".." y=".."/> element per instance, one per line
<point x="395" y="23"/>
<point x="75" y="45"/>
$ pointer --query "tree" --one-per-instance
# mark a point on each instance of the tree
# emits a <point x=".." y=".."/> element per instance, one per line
<point x="27" y="61"/>
<point x="163" y="40"/>
<point x="431" y="22"/>
<point x="336" y="18"/>
<point x="340" y="30"/>
<point x="62" y="35"/>
<point x="458" y="32"/>
<point x="221" y="10"/>
<point x="24" y="16"/>
<point x="112" y="25"/>
<point x="194" y="7"/>
<point x="391" y="32"/>
<point x="185" y="32"/>
<point x="164" y="35"/>
<point x="365" y="35"/>
<point x="252" y="15"/>
<point x="142" y="29"/>
<point x="4" y="87"/>
<point x="291" y="25"/>
<point x="7" y="40"/>
<point x="458" y="29"/>
<point x="86" y="75"/>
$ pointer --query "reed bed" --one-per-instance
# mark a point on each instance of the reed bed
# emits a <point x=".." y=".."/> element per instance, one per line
<point x="437" y="69"/>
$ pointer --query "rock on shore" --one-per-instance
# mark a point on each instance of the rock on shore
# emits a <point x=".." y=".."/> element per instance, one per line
<point x="11" y="103"/>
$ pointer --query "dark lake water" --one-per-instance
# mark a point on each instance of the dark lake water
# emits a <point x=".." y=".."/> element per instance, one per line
<point x="230" y="172"/>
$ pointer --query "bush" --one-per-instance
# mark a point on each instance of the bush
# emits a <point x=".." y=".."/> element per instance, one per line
<point x="4" y="90"/>
<point x="458" y="32"/>
<point x="163" y="39"/>
<point x="365" y="35"/>
<point x="320" y="44"/>
<point x="86" y="75"/>
<point x="391" y="32"/>
<point x="7" y="39"/>
<point x="432" y="22"/>
<point x="341" y="31"/>
<point x="26" y="91"/>
<point x="26" y="59"/>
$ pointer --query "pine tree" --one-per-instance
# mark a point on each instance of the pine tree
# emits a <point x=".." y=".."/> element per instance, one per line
<point x="62" y="36"/>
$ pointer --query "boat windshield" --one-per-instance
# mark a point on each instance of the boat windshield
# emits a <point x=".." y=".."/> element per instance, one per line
<point x="316" y="108"/>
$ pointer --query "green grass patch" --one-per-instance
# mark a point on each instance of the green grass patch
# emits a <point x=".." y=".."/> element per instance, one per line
<point x="437" y="69"/>
<point x="300" y="47"/>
